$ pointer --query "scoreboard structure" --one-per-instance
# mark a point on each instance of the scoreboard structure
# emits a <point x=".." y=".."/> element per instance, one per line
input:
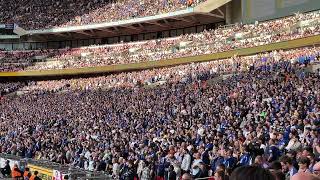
<point x="259" y="10"/>
<point x="7" y="29"/>
<point x="10" y="31"/>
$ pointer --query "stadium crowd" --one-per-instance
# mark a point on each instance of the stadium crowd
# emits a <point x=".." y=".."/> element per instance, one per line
<point x="212" y="41"/>
<point x="265" y="114"/>
<point x="6" y="88"/>
<point x="36" y="14"/>
<point x="182" y="73"/>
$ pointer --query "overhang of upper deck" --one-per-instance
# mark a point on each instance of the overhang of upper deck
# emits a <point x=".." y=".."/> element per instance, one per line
<point x="210" y="11"/>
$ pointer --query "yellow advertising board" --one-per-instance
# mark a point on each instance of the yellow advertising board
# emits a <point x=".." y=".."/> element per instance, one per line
<point x="44" y="173"/>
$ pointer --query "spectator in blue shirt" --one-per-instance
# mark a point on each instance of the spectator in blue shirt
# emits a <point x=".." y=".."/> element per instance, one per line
<point x="218" y="160"/>
<point x="274" y="151"/>
<point x="245" y="158"/>
<point x="229" y="160"/>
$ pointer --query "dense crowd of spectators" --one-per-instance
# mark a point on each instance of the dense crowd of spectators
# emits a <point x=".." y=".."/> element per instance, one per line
<point x="212" y="41"/>
<point x="182" y="73"/>
<point x="37" y="14"/>
<point x="265" y="114"/>
<point x="6" y="88"/>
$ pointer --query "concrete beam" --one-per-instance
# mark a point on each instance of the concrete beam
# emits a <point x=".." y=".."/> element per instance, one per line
<point x="213" y="15"/>
<point x="107" y="30"/>
<point x="158" y="24"/>
<point x="131" y="27"/>
<point x="62" y="35"/>
<point x="84" y="33"/>
<point x="221" y="12"/>
<point x="181" y="19"/>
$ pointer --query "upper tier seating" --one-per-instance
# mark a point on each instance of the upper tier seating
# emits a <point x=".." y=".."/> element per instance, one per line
<point x="207" y="42"/>
<point x="38" y="14"/>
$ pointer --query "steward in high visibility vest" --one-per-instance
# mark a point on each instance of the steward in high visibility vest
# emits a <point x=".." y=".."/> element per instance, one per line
<point x="26" y="173"/>
<point x="190" y="2"/>
<point x="35" y="176"/>
<point x="15" y="172"/>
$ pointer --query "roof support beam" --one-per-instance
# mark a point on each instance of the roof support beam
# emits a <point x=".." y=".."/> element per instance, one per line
<point x="165" y="21"/>
<point x="62" y="35"/>
<point x="131" y="27"/>
<point x="84" y="33"/>
<point x="221" y="13"/>
<point x="158" y="24"/>
<point x="181" y="19"/>
<point x="116" y="28"/>
<point x="213" y="15"/>
<point x="107" y="30"/>
<point x="42" y="37"/>
<point x="194" y="18"/>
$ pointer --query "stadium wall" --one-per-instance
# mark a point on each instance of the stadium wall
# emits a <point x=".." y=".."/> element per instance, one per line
<point x="308" y="41"/>
<point x="259" y="10"/>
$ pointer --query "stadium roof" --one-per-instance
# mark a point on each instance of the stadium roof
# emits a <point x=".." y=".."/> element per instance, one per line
<point x="205" y="13"/>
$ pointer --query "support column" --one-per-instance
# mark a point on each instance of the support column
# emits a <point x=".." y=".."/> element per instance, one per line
<point x="229" y="13"/>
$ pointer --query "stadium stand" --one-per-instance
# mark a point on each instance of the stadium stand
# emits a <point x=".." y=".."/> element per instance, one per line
<point x="265" y="107"/>
<point x="236" y="102"/>
<point x="37" y="14"/>
<point x="207" y="42"/>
